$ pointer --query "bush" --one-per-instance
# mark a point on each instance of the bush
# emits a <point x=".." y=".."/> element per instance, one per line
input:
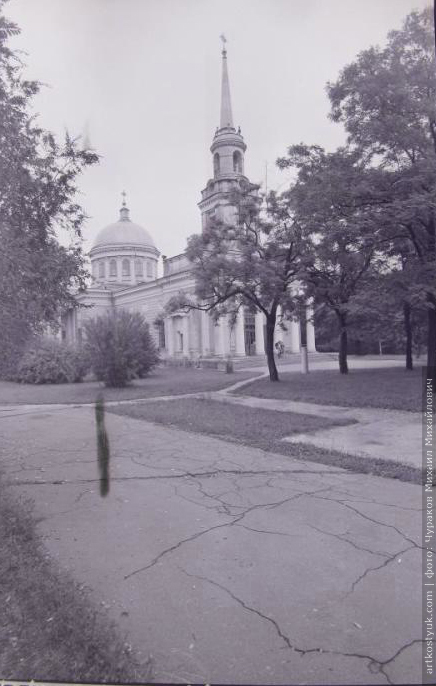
<point x="119" y="347"/>
<point x="50" y="361"/>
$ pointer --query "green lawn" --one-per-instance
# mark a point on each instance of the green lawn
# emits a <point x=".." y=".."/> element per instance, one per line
<point x="162" y="381"/>
<point x="260" y="429"/>
<point x="49" y="628"/>
<point x="391" y="388"/>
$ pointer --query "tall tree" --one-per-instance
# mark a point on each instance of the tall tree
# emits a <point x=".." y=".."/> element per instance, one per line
<point x="333" y="203"/>
<point x="386" y="100"/>
<point x="255" y="263"/>
<point x="38" y="187"/>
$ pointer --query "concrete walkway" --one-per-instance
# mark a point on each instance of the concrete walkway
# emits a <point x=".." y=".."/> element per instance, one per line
<point x="386" y="434"/>
<point x="291" y="363"/>
<point x="224" y="563"/>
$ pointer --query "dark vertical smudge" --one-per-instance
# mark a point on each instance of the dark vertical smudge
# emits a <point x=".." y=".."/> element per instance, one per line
<point x="103" y="452"/>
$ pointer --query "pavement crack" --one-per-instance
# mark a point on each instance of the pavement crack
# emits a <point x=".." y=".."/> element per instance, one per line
<point x="342" y="537"/>
<point x="373" y="664"/>
<point x="371" y="519"/>
<point x="264" y="531"/>
<point x="174" y="547"/>
<point x="260" y="614"/>
<point x="376" y="569"/>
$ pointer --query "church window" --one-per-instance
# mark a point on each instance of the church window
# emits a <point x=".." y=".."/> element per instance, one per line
<point x="126" y="267"/>
<point x="161" y="335"/>
<point x="149" y="268"/>
<point x="113" y="268"/>
<point x="216" y="164"/>
<point x="101" y="270"/>
<point x="139" y="268"/>
<point x="237" y="162"/>
<point x="94" y="269"/>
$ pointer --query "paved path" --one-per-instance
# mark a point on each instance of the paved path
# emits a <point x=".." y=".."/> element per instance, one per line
<point x="225" y="563"/>
<point x="293" y="363"/>
<point x="386" y="434"/>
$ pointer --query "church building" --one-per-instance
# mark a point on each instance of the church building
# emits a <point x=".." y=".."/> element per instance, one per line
<point x="124" y="263"/>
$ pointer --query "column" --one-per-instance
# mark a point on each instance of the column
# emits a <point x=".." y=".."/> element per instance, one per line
<point x="240" y="334"/>
<point x="169" y="335"/>
<point x="278" y="331"/>
<point x="206" y="347"/>
<point x="311" y="345"/>
<point x="295" y="335"/>
<point x="186" y="337"/>
<point x="259" y="322"/>
<point x="194" y="332"/>
<point x="132" y="270"/>
<point x="221" y="344"/>
<point x="286" y="335"/>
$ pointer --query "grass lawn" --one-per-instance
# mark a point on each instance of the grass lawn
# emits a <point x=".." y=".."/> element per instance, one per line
<point x="49" y="628"/>
<point x="162" y="381"/>
<point x="260" y="429"/>
<point x="391" y="388"/>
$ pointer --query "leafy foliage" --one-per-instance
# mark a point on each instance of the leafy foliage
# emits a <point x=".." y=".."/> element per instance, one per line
<point x="120" y="347"/>
<point x="334" y="202"/>
<point x="50" y="361"/>
<point x="38" y="185"/>
<point x="386" y="100"/>
<point x="255" y="263"/>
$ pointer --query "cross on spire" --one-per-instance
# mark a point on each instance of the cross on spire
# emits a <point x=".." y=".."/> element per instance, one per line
<point x="224" y="41"/>
<point x="124" y="198"/>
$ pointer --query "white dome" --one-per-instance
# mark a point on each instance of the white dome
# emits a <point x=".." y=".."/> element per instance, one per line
<point x="124" y="232"/>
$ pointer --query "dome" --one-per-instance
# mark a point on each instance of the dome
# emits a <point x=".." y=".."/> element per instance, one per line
<point x="124" y="232"/>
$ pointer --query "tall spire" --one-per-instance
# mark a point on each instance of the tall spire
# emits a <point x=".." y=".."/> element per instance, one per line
<point x="226" y="118"/>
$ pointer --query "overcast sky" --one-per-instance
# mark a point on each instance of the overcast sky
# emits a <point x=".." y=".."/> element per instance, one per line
<point x="143" y="76"/>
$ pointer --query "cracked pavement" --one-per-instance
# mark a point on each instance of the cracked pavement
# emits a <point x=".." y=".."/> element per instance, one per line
<point x="225" y="563"/>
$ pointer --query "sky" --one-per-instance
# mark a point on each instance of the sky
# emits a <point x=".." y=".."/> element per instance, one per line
<point x="142" y="79"/>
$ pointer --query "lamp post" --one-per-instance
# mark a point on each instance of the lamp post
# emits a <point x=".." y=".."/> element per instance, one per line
<point x="303" y="340"/>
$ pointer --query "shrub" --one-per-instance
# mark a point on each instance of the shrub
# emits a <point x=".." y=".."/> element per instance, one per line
<point x="50" y="361"/>
<point x="120" y="347"/>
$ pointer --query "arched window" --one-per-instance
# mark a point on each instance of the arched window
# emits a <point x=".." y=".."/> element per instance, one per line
<point x="139" y="268"/>
<point x="113" y="268"/>
<point x="149" y="268"/>
<point x="101" y="270"/>
<point x="161" y="334"/>
<point x="237" y="162"/>
<point x="126" y="267"/>
<point x="94" y="269"/>
<point x="216" y="164"/>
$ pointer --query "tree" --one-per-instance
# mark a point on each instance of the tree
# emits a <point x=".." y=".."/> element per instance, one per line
<point x="255" y="263"/>
<point x="390" y="309"/>
<point x="333" y="203"/>
<point x="119" y="347"/>
<point x="38" y="186"/>
<point x="386" y="100"/>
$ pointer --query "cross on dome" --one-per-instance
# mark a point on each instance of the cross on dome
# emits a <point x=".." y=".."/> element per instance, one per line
<point x="124" y="211"/>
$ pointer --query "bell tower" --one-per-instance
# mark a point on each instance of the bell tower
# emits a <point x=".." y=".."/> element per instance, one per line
<point x="228" y="149"/>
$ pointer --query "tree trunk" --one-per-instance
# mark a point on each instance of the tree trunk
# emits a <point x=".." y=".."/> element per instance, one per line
<point x="431" y="344"/>
<point x="343" y="346"/>
<point x="409" y="334"/>
<point x="270" y="327"/>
